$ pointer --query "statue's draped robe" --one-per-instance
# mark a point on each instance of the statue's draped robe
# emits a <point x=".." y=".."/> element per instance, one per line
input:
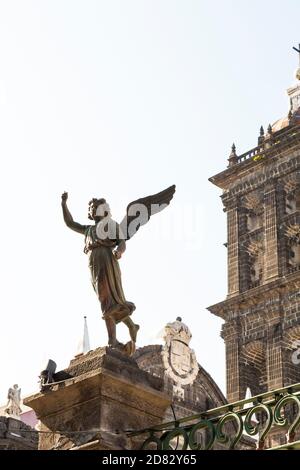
<point x="106" y="274"/>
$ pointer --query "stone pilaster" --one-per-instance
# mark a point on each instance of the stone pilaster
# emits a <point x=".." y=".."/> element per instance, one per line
<point x="233" y="251"/>
<point x="271" y="245"/>
<point x="275" y="378"/>
<point x="230" y="334"/>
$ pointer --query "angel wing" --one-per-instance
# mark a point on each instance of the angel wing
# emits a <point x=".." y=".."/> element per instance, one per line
<point x="139" y="212"/>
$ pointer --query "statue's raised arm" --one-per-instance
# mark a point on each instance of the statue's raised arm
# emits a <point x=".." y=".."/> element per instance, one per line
<point x="68" y="217"/>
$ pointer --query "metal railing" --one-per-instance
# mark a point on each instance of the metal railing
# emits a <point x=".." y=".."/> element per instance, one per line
<point x="256" y="416"/>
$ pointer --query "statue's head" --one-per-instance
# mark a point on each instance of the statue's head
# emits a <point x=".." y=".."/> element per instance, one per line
<point x="98" y="209"/>
<point x="16" y="386"/>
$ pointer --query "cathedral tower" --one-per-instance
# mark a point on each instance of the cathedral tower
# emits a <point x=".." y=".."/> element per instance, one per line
<point x="261" y="196"/>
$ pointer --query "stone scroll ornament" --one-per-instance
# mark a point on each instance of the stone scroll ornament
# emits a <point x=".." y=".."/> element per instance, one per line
<point x="105" y="243"/>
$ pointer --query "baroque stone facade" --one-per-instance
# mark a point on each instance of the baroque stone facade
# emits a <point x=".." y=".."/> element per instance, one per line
<point x="191" y="387"/>
<point x="261" y="196"/>
<point x="104" y="396"/>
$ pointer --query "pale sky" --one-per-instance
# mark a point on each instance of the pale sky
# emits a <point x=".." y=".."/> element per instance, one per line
<point x="120" y="99"/>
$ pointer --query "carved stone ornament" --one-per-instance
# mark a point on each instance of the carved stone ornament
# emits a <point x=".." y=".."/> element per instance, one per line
<point x="178" y="358"/>
<point x="292" y="232"/>
<point x="254" y="202"/>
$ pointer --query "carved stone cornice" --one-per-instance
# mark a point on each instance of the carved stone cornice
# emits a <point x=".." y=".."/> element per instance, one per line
<point x="252" y="178"/>
<point x="230" y="308"/>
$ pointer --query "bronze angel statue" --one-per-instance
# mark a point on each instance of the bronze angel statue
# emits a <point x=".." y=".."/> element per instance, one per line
<point x="105" y="243"/>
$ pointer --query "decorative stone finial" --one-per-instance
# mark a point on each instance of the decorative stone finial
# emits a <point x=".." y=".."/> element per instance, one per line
<point x="261" y="137"/>
<point x="269" y="137"/>
<point x="233" y="159"/>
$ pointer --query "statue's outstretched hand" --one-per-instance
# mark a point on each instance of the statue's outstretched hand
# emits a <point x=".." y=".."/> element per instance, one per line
<point x="64" y="197"/>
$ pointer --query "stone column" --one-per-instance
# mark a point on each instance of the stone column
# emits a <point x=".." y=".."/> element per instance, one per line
<point x="101" y="395"/>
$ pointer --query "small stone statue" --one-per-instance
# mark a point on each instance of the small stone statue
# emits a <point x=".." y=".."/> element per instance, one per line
<point x="105" y="243"/>
<point x="13" y="407"/>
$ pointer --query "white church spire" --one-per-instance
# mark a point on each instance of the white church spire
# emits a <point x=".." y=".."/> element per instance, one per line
<point x="86" y="340"/>
<point x="84" y="343"/>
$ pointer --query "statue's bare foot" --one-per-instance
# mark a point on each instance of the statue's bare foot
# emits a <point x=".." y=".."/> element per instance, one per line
<point x="129" y="348"/>
<point x="133" y="332"/>
<point x="116" y="344"/>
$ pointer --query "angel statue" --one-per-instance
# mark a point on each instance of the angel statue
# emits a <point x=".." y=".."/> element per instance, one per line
<point x="105" y="243"/>
<point x="14" y="400"/>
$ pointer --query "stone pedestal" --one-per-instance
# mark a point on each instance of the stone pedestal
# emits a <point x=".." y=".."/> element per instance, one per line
<point x="100" y="396"/>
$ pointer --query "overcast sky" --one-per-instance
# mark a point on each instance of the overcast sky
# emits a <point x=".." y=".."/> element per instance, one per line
<point x="120" y="99"/>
